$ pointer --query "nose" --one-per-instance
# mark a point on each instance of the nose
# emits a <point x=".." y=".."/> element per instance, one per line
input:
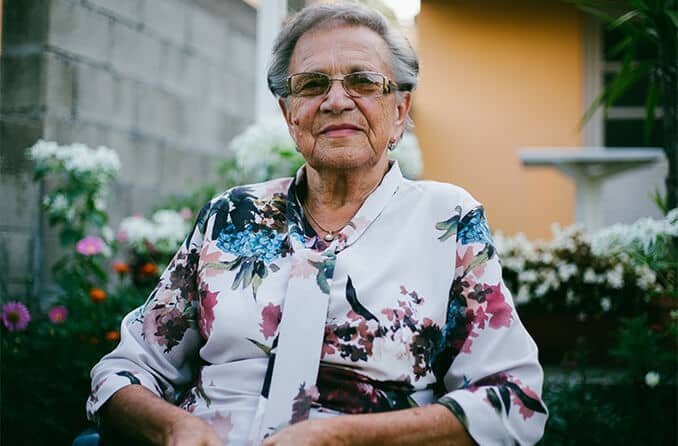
<point x="337" y="100"/>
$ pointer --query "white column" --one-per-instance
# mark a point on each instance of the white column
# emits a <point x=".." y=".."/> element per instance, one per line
<point x="270" y="15"/>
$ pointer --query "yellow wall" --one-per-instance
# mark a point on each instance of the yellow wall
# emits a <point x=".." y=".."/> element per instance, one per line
<point x="497" y="76"/>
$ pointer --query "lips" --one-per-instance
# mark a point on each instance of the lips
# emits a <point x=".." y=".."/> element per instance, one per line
<point x="340" y="129"/>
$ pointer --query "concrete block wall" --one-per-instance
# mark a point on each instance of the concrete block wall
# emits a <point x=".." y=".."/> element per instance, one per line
<point x="165" y="83"/>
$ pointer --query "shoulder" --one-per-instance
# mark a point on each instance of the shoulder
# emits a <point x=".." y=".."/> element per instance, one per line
<point x="260" y="192"/>
<point x="440" y="194"/>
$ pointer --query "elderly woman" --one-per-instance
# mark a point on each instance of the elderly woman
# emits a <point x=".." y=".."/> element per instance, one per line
<point x="347" y="290"/>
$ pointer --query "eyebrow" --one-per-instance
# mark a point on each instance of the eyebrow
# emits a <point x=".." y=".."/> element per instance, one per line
<point x="350" y="69"/>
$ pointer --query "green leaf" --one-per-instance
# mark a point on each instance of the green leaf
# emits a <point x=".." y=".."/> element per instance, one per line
<point x="623" y="19"/>
<point x="265" y="348"/>
<point x="69" y="237"/>
<point x="673" y="15"/>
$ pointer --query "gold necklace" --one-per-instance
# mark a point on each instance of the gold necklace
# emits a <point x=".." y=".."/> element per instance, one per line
<point x="332" y="234"/>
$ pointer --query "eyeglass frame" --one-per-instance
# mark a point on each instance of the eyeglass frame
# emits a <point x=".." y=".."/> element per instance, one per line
<point x="388" y="86"/>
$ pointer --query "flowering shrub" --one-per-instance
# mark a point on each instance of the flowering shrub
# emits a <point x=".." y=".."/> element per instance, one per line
<point x="149" y="244"/>
<point x="78" y="179"/>
<point x="614" y="271"/>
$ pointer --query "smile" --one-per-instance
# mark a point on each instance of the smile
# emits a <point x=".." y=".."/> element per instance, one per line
<point x="339" y="130"/>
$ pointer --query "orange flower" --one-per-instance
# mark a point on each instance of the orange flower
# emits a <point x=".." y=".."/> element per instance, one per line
<point x="120" y="267"/>
<point x="112" y="336"/>
<point x="93" y="340"/>
<point x="149" y="268"/>
<point x="97" y="295"/>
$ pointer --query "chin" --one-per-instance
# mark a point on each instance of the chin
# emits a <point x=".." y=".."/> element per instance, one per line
<point x="344" y="161"/>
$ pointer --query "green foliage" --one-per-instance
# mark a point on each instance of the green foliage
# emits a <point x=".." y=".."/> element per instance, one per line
<point x="642" y="347"/>
<point x="648" y="51"/>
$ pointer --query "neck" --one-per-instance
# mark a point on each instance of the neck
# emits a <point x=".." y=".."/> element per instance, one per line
<point x="333" y="197"/>
<point x="333" y="189"/>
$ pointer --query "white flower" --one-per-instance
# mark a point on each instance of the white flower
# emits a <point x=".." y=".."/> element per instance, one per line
<point x="567" y="270"/>
<point x="652" y="379"/>
<point x="408" y="155"/>
<point x="527" y="276"/>
<point x="590" y="276"/>
<point x="523" y="295"/>
<point x="43" y="151"/>
<point x="605" y="304"/>
<point x="615" y="278"/>
<point x="546" y="257"/>
<point x="647" y="278"/>
<point x="266" y="150"/>
<point x="165" y="231"/>
<point x="107" y="234"/>
<point x="571" y="298"/>
<point x="514" y="263"/>
<point x="541" y="289"/>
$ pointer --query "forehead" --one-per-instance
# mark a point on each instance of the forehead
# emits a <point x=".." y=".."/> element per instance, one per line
<point x="340" y="49"/>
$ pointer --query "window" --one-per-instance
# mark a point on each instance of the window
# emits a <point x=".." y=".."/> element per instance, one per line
<point x="624" y="125"/>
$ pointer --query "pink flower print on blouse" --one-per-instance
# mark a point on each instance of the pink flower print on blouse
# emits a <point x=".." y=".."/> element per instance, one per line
<point x="270" y="319"/>
<point x="208" y="300"/>
<point x="500" y="312"/>
<point x="222" y="425"/>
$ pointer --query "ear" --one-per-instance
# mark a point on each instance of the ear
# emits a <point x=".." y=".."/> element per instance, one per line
<point x="404" y="100"/>
<point x="284" y="107"/>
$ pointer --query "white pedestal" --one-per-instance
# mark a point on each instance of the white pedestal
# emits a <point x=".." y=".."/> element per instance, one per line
<point x="590" y="167"/>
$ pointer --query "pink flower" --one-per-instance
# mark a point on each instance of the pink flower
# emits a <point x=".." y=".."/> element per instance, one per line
<point x="121" y="236"/>
<point x="58" y="315"/>
<point x="90" y="245"/>
<point x="186" y="213"/>
<point x="15" y="316"/>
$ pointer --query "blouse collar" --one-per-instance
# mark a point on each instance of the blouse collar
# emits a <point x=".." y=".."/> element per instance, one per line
<point x="370" y="210"/>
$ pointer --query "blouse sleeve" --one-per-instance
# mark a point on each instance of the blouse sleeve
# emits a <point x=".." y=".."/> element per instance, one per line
<point x="159" y="341"/>
<point x="492" y="361"/>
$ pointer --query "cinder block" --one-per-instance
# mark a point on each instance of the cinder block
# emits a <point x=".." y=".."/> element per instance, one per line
<point x="79" y="30"/>
<point x="242" y="58"/>
<point x="136" y="54"/>
<point x="24" y="22"/>
<point x="168" y="19"/>
<point x="161" y="114"/>
<point x="21" y="87"/>
<point x="205" y="127"/>
<point x="16" y="135"/>
<point x="16" y="264"/>
<point x="140" y="164"/>
<point x="180" y="170"/>
<point x="59" y="85"/>
<point x="104" y="97"/>
<point x="130" y="10"/>
<point x="145" y="198"/>
<point x="19" y="201"/>
<point x="69" y="131"/>
<point x="186" y="74"/>
<point x="223" y="88"/>
<point x="209" y="35"/>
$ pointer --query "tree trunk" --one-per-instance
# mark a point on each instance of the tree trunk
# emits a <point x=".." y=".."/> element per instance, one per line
<point x="668" y="77"/>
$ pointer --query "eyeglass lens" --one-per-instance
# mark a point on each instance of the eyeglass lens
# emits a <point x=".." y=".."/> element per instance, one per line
<point x="362" y="84"/>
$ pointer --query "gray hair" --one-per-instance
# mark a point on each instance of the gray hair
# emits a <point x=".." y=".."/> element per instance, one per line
<point x="404" y="61"/>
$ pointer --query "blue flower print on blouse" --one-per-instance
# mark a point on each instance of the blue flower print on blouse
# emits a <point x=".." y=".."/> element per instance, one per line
<point x="473" y="228"/>
<point x="263" y="244"/>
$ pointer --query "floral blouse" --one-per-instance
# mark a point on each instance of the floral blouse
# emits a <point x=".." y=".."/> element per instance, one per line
<point x="418" y="313"/>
